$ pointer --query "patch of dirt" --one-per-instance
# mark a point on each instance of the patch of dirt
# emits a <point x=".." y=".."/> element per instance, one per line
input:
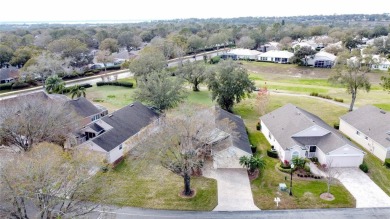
<point x="193" y="193"/>
<point x="254" y="175"/>
<point x="327" y="196"/>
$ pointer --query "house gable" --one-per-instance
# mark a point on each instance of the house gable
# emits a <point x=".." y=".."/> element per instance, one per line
<point x="346" y="150"/>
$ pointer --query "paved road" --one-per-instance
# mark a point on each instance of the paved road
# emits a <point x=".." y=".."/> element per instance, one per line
<point x="338" y="213"/>
<point x="366" y="192"/>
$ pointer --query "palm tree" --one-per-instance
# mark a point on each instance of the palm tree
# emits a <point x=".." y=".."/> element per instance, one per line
<point x="77" y="91"/>
<point x="54" y="84"/>
<point x="252" y="163"/>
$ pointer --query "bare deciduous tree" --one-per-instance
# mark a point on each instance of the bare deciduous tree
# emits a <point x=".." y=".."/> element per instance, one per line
<point x="27" y="121"/>
<point x="262" y="100"/>
<point x="47" y="182"/>
<point x="331" y="173"/>
<point x="185" y="137"/>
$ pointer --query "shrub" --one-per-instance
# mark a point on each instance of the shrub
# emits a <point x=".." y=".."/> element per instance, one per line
<point x="280" y="168"/>
<point x="215" y="60"/>
<point x="299" y="162"/>
<point x="89" y="74"/>
<point x="258" y="126"/>
<point x="85" y="85"/>
<point x="273" y="154"/>
<point x="338" y="100"/>
<point x="336" y="126"/>
<point x="115" y="83"/>
<point x="325" y="96"/>
<point x="20" y="85"/>
<point x="314" y="159"/>
<point x="364" y="167"/>
<point x="253" y="148"/>
<point x="307" y="168"/>
<point x="387" y="162"/>
<point x="6" y="86"/>
<point x="314" y="94"/>
<point x="98" y="100"/>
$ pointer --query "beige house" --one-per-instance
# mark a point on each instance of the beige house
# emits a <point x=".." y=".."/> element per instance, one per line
<point x="370" y="127"/>
<point x="294" y="132"/>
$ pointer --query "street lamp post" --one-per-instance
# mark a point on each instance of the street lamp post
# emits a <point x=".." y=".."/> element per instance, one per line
<point x="292" y="169"/>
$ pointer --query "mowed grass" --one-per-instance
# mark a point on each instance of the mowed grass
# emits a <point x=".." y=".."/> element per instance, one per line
<point x="152" y="186"/>
<point x="306" y="194"/>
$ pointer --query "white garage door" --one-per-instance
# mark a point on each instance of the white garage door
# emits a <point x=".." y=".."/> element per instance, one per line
<point x="346" y="161"/>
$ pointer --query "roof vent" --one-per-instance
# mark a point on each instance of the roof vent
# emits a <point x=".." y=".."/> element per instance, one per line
<point x="131" y="105"/>
<point x="383" y="112"/>
<point x="110" y="115"/>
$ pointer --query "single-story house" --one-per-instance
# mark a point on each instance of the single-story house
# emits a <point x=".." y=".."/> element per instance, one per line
<point x="370" y="127"/>
<point x="381" y="63"/>
<point x="294" y="132"/>
<point x="276" y="56"/>
<point x="115" y="134"/>
<point x="236" y="54"/>
<point x="88" y="111"/>
<point x="237" y="144"/>
<point x="10" y="74"/>
<point x="321" y="60"/>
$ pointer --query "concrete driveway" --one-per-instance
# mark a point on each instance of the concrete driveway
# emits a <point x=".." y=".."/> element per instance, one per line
<point x="234" y="189"/>
<point x="365" y="191"/>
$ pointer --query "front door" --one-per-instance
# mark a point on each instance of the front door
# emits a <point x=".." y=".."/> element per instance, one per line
<point x="312" y="151"/>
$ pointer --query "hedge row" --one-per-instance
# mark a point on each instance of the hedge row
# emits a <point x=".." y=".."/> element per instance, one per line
<point x="68" y="89"/>
<point x="115" y="83"/>
<point x="387" y="162"/>
<point x="315" y="94"/>
<point x="6" y="86"/>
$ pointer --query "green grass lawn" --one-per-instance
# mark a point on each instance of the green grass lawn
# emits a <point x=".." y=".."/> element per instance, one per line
<point x="152" y="186"/>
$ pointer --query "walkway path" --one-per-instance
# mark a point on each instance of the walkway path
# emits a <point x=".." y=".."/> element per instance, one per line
<point x="234" y="189"/>
<point x="317" y="98"/>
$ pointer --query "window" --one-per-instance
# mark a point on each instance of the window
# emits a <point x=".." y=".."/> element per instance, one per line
<point x="277" y="59"/>
<point x="120" y="147"/>
<point x="294" y="154"/>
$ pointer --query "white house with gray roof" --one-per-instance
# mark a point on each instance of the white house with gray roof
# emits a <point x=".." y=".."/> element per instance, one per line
<point x="293" y="131"/>
<point x="370" y="127"/>
<point x="115" y="134"/>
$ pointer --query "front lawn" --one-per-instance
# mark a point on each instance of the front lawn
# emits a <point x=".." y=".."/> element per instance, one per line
<point x="152" y="186"/>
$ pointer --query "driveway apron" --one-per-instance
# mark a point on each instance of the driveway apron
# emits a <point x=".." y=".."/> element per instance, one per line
<point x="365" y="191"/>
<point x="234" y="190"/>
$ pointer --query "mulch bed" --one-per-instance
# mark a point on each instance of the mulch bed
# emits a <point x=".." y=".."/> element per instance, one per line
<point x="193" y="193"/>
<point x="254" y="175"/>
<point x="327" y="196"/>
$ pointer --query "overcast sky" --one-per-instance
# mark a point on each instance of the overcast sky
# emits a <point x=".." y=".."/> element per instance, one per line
<point x="86" y="10"/>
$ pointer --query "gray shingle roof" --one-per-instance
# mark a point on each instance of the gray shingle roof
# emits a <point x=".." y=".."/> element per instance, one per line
<point x="371" y="121"/>
<point x="241" y="141"/>
<point x="125" y="123"/>
<point x="83" y="107"/>
<point x="11" y="72"/>
<point x="288" y="123"/>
